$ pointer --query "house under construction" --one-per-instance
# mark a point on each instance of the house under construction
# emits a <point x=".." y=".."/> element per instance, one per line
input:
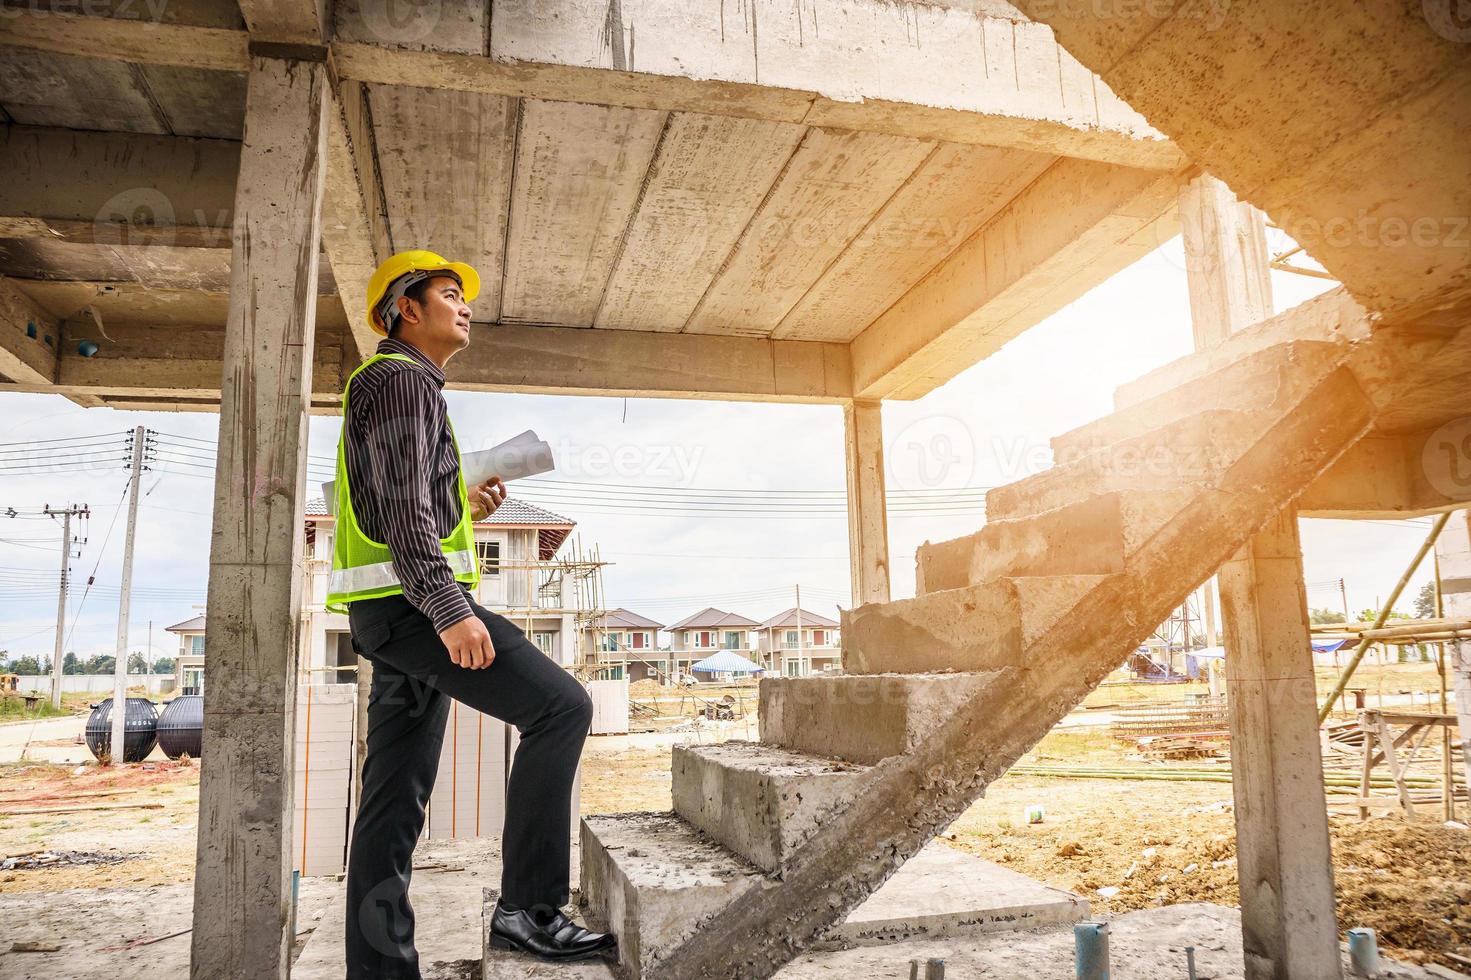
<point x="830" y="202"/>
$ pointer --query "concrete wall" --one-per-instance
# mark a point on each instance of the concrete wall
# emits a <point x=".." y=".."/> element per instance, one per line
<point x="95" y="683"/>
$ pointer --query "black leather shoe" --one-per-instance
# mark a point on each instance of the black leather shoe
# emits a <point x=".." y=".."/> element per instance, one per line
<point x="557" y="939"/>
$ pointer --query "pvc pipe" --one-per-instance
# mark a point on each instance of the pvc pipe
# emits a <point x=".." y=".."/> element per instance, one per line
<point x="1090" y="959"/>
<point x="1363" y="952"/>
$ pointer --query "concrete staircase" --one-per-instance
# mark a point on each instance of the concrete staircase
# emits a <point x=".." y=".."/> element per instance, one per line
<point x="771" y="843"/>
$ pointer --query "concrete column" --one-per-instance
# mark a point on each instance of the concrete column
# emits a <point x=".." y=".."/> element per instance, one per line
<point x="868" y="522"/>
<point x="242" y="887"/>
<point x="1285" y="867"/>
<point x="1288" y="921"/>
<point x="1225" y="260"/>
<point x="1453" y="552"/>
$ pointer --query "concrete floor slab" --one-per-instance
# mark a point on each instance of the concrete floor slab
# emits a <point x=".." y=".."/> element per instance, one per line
<point x="944" y="892"/>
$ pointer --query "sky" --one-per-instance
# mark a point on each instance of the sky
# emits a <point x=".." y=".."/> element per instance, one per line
<point x="669" y="491"/>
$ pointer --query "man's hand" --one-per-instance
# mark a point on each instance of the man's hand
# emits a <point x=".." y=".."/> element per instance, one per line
<point x="486" y="497"/>
<point x="468" y="642"/>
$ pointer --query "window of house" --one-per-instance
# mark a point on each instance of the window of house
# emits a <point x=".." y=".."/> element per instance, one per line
<point x="489" y="553"/>
<point x="733" y="640"/>
<point x="639" y="640"/>
<point x="791" y="638"/>
<point x="546" y="641"/>
<point x="818" y="637"/>
<point x="609" y="642"/>
<point x="196" y="645"/>
<point x="705" y="640"/>
<point x="794" y="668"/>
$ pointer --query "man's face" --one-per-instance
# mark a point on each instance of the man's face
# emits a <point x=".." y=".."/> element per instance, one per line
<point x="443" y="315"/>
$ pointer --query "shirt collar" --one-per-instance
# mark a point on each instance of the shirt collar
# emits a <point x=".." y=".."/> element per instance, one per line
<point x="391" y="346"/>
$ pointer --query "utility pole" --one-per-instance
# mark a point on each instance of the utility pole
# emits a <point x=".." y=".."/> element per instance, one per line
<point x="66" y="555"/>
<point x="120" y="663"/>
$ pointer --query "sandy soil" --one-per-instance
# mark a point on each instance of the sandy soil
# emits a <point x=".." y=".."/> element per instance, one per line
<point x="1409" y="881"/>
<point x="159" y="842"/>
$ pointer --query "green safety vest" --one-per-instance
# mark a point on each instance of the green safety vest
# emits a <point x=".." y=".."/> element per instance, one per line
<point x="363" y="568"/>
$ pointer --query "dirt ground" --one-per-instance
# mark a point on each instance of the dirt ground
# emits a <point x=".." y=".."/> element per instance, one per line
<point x="1156" y="842"/>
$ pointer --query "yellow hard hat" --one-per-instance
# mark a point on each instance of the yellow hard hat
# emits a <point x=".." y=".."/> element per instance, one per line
<point x="403" y="264"/>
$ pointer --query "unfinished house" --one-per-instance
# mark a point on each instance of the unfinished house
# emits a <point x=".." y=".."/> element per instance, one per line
<point x="832" y="202"/>
<point x="622" y="645"/>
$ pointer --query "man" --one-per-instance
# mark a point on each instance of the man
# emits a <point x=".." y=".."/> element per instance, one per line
<point x="404" y="562"/>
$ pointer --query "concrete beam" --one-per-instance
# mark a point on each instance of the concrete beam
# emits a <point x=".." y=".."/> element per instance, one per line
<point x="1288" y="922"/>
<point x="1072" y="228"/>
<point x="926" y="72"/>
<point x="1393" y="475"/>
<point x="649" y="364"/>
<point x="1345" y="123"/>
<point x="868" y="520"/>
<point x="288" y="21"/>
<point x="29" y="338"/>
<point x="242" y="887"/>
<point x="354" y="219"/>
<point x="117" y="188"/>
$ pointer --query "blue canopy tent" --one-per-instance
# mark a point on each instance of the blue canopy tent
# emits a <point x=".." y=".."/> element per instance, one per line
<point x="728" y="662"/>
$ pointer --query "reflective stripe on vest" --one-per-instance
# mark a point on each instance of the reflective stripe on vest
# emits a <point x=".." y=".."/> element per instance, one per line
<point x="364" y="577"/>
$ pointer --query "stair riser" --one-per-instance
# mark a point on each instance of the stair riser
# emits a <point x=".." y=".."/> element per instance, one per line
<point x="972" y="629"/>
<point x="1189" y="455"/>
<point x="651" y="922"/>
<point x="1090" y="538"/>
<point x="1283" y="373"/>
<point x="856" y="718"/>
<point x="754" y="801"/>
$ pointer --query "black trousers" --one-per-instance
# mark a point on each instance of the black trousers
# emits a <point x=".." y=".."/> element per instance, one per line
<point x="413" y="679"/>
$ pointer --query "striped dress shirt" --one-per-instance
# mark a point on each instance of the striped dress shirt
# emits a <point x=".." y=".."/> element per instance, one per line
<point x="403" y="472"/>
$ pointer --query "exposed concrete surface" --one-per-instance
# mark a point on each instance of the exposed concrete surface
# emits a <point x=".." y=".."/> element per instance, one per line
<point x="1146" y="945"/>
<point x="944" y="892"/>
<point x="760" y="801"/>
<point x="860" y="718"/>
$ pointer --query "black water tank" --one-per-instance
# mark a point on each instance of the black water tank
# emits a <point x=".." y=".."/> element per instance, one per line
<point x="140" y="729"/>
<point x="181" y="727"/>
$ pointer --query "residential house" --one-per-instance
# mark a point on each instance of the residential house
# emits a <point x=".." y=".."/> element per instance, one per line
<point x="189" y="661"/>
<point x="798" y="642"/>
<point x="696" y="637"/>
<point x="623" y="644"/>
<point x="520" y="578"/>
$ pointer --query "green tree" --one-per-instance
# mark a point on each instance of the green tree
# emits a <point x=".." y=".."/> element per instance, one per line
<point x="1425" y="601"/>
<point x="163" y="665"/>
<point x="71" y="665"/>
<point x="26" y="665"/>
<point x="1320" y="617"/>
<point x="137" y="663"/>
<point x="102" y="663"/>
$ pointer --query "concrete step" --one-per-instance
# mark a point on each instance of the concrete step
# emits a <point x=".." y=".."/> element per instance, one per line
<point x="1189" y="453"/>
<point x="974" y="628"/>
<point x="861" y="719"/>
<point x="1278" y="375"/>
<point x="760" y="801"/>
<point x="1090" y="537"/>
<point x="1331" y="317"/>
<point x="651" y="879"/>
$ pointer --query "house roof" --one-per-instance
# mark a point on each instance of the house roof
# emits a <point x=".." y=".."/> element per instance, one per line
<point x="194" y="625"/>
<point x="712" y="618"/>
<point x="788" y="617"/>
<point x="623" y="619"/>
<point x="513" y="512"/>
